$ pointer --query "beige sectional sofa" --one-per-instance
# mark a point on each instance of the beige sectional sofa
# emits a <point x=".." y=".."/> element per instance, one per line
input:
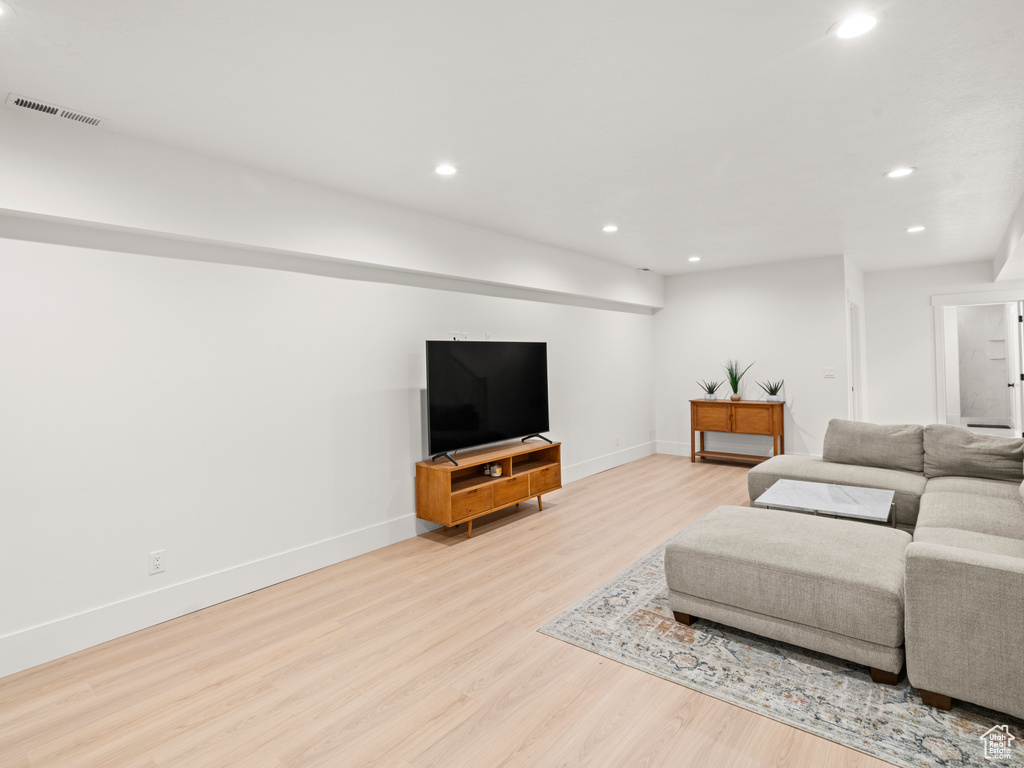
<point x="961" y="496"/>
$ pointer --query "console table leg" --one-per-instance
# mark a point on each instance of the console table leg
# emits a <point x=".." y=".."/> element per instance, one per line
<point x="540" y="504"/>
<point x="693" y="422"/>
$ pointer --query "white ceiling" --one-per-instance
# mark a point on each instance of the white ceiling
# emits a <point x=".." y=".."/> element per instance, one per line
<point x="729" y="129"/>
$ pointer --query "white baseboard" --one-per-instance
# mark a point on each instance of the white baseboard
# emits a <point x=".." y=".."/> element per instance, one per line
<point x="671" y="448"/>
<point x="45" y="642"/>
<point x="37" y="645"/>
<point x="683" y="449"/>
<point x="608" y="461"/>
<point x="754" y="445"/>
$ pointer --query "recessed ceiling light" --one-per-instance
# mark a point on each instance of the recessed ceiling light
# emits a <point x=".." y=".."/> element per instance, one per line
<point x="446" y="169"/>
<point x="898" y="173"/>
<point x="856" y="25"/>
<point x="694" y="258"/>
<point x="915" y="229"/>
<point x="610" y="228"/>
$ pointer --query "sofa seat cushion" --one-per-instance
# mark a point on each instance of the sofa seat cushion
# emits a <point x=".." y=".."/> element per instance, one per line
<point x="908" y="485"/>
<point x="967" y="512"/>
<point x="957" y="451"/>
<point x="888" y="446"/>
<point x="997" y="489"/>
<point x="978" y="542"/>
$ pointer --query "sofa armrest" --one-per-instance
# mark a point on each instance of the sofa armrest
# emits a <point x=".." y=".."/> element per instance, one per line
<point x="965" y="624"/>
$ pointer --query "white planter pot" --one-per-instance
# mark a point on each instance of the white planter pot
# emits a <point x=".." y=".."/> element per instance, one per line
<point x="774" y="398"/>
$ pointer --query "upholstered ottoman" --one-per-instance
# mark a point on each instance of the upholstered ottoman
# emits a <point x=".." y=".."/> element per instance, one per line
<point x="834" y="586"/>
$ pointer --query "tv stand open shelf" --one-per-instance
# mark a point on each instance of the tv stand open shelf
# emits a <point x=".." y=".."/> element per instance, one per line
<point x="451" y="495"/>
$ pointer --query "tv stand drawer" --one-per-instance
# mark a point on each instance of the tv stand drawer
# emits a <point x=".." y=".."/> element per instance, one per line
<point x="513" y="489"/>
<point x="469" y="503"/>
<point x="545" y="480"/>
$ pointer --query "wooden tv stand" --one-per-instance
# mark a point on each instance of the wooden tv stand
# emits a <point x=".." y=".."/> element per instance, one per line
<point x="747" y="417"/>
<point x="450" y="495"/>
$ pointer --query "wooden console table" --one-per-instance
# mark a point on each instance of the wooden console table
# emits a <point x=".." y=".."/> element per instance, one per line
<point x="747" y="417"/>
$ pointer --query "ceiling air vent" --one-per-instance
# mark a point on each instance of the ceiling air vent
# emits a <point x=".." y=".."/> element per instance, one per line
<point x="14" y="100"/>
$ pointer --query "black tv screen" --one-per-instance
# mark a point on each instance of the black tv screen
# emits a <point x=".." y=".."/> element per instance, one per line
<point x="484" y="391"/>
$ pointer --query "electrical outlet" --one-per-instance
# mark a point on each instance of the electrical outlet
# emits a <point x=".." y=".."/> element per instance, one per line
<point x="157" y="561"/>
<point x="488" y="336"/>
<point x="617" y="440"/>
<point x="465" y="335"/>
<point x="830" y="373"/>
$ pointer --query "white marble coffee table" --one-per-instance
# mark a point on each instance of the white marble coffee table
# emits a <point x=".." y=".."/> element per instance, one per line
<point x="823" y="498"/>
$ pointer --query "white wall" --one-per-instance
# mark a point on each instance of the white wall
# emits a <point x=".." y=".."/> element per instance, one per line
<point x="255" y="423"/>
<point x="789" y="319"/>
<point x="70" y="173"/>
<point x="1008" y="262"/>
<point x="900" y="328"/>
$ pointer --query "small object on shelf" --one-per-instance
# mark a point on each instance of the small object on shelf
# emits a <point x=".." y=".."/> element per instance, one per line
<point x="732" y="370"/>
<point x="487" y="469"/>
<point x="772" y="389"/>
<point x="710" y="388"/>
<point x="496" y="470"/>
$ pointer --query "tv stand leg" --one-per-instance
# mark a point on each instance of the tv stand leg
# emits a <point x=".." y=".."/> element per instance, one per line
<point x="540" y="504"/>
<point x="469" y="530"/>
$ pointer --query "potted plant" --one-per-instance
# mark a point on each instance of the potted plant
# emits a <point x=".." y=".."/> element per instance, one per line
<point x="732" y="370"/>
<point x="710" y="388"/>
<point x="772" y="389"/>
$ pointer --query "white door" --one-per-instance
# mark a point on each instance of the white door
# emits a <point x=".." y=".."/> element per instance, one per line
<point x="855" y="376"/>
<point x="1015" y="321"/>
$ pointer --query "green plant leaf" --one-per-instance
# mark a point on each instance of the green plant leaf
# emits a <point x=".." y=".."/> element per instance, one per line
<point x="732" y="370"/>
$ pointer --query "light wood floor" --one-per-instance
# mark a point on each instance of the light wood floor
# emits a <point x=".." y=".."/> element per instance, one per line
<point x="424" y="653"/>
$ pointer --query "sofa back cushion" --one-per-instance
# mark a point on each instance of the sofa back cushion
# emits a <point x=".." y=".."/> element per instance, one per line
<point x="889" y="446"/>
<point x="952" y="450"/>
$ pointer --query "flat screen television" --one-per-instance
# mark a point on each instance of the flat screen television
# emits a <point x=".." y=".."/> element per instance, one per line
<point x="482" y="392"/>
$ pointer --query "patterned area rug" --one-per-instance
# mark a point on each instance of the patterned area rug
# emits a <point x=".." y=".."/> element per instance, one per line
<point x="628" y="620"/>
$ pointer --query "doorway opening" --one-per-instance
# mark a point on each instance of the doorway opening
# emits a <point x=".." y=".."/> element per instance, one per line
<point x="983" y="378"/>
